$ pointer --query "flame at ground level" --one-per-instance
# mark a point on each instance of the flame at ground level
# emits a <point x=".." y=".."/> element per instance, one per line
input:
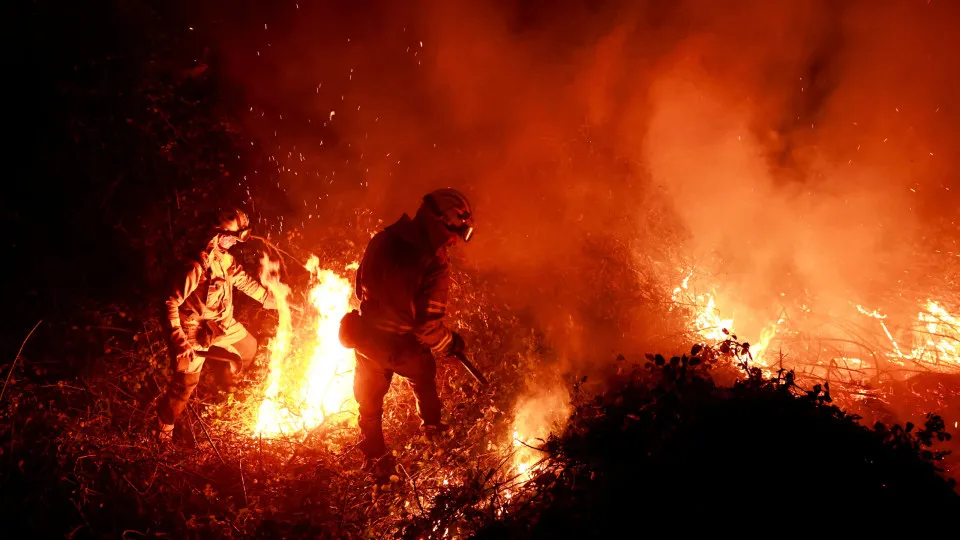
<point x="932" y="343"/>
<point x="537" y="416"/>
<point x="935" y="340"/>
<point x="308" y="385"/>
<point x="707" y="323"/>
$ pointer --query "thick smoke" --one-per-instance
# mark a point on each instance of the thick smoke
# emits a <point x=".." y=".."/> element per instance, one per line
<point x="801" y="149"/>
<point x="811" y="148"/>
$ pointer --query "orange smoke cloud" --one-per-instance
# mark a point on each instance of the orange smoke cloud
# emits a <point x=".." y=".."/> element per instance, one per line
<point x="801" y="149"/>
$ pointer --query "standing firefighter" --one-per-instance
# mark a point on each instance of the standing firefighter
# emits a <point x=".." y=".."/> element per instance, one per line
<point x="402" y="285"/>
<point x="200" y="314"/>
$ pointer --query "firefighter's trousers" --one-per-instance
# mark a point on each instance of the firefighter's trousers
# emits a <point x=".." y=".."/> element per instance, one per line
<point x="372" y="381"/>
<point x="236" y="339"/>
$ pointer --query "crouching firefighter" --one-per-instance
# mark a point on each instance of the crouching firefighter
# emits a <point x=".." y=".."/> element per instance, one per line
<point x="199" y="311"/>
<point x="402" y="285"/>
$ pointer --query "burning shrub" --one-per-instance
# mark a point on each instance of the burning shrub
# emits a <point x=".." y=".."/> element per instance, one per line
<point x="667" y="442"/>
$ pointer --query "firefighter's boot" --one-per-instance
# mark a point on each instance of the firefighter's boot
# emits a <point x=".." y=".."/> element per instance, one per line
<point x="380" y="469"/>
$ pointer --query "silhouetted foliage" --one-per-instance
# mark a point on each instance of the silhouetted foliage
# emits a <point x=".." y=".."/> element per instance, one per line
<point x="676" y="448"/>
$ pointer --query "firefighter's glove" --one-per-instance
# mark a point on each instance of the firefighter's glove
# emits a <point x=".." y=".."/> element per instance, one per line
<point x="208" y="333"/>
<point x="457" y="345"/>
<point x="183" y="353"/>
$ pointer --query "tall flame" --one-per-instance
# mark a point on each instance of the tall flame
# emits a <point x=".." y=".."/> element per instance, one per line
<point x="537" y="416"/>
<point x="280" y="344"/>
<point x="303" y="390"/>
<point x="329" y="382"/>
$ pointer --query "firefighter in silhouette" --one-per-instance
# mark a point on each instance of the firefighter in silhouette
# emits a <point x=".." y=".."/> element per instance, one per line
<point x="199" y="310"/>
<point x="402" y="285"/>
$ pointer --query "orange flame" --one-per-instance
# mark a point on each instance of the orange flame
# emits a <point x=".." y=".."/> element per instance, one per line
<point x="707" y="322"/>
<point x="304" y="390"/>
<point x="709" y="325"/>
<point x="936" y="343"/>
<point x="942" y="339"/>
<point x="280" y="344"/>
<point x="537" y="416"/>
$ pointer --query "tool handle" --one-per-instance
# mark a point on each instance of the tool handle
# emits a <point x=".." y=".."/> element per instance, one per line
<point x="462" y="358"/>
<point x="236" y="363"/>
<point x="216" y="355"/>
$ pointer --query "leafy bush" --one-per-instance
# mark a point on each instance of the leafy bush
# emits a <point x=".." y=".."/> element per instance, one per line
<point x="667" y="445"/>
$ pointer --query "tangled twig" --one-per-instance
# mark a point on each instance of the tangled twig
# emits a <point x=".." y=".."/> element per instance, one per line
<point x="14" y="365"/>
<point x="277" y="251"/>
<point x="205" y="432"/>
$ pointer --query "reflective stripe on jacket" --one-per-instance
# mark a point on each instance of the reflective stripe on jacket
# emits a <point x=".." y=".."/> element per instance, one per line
<point x="402" y="285"/>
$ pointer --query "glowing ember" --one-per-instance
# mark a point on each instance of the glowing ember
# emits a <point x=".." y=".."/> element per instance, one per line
<point x="537" y="416"/>
<point x="303" y="390"/>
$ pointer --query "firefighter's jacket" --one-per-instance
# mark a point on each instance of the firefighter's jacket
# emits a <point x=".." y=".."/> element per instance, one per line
<point x="205" y="290"/>
<point x="402" y="285"/>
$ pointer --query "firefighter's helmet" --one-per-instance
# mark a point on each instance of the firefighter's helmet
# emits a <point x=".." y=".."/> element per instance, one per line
<point x="233" y="222"/>
<point x="453" y="209"/>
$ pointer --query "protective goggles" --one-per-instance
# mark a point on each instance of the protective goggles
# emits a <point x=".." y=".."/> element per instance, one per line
<point x="463" y="230"/>
<point x="241" y="235"/>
